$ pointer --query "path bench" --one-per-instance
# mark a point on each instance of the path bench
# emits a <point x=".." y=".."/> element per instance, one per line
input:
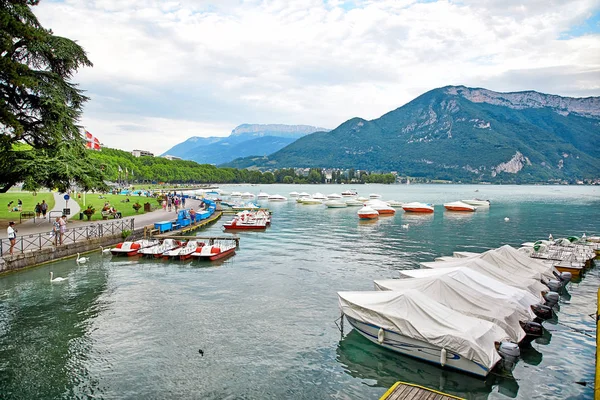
<point x="26" y="215"/>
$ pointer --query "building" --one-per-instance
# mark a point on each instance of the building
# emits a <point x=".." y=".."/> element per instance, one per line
<point x="142" y="153"/>
<point x="168" y="157"/>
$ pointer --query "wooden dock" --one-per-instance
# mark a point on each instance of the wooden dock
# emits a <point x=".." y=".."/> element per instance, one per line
<point x="409" y="391"/>
<point x="150" y="231"/>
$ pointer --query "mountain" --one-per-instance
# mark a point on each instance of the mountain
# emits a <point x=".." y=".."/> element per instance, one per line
<point x="460" y="133"/>
<point x="244" y="140"/>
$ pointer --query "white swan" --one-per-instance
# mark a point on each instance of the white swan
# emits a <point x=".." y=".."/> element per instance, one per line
<point x="81" y="260"/>
<point x="506" y="219"/>
<point x="53" y="279"/>
<point x="405" y="226"/>
<point x="104" y="251"/>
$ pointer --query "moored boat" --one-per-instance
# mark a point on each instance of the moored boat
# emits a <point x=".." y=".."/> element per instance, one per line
<point x="459" y="206"/>
<point x="374" y="196"/>
<point x="367" y="213"/>
<point x="349" y="193"/>
<point x="395" y="203"/>
<point x="354" y="202"/>
<point x="215" y="251"/>
<point x="418" y="207"/>
<point x="246" y="221"/>
<point x="277" y="197"/>
<point x="381" y="207"/>
<point x="159" y="249"/>
<point x="294" y="194"/>
<point x="335" y="203"/>
<point x="184" y="252"/>
<point x="477" y="202"/>
<point x="262" y="196"/>
<point x="412" y="324"/>
<point x="131" y="248"/>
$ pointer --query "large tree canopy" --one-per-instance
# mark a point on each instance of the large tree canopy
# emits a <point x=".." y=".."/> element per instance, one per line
<point x="40" y="141"/>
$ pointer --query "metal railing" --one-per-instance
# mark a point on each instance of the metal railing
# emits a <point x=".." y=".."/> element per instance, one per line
<point x="38" y="241"/>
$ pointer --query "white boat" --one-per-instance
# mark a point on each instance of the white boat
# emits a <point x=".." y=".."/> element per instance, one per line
<point x="184" y="252"/>
<point x="132" y="248"/>
<point x="412" y="324"/>
<point x="294" y="194"/>
<point x="334" y="196"/>
<point x="236" y="194"/>
<point x="374" y="196"/>
<point x="395" y="203"/>
<point x="349" y="193"/>
<point x="303" y="194"/>
<point x="477" y="202"/>
<point x="361" y="198"/>
<point x="245" y="206"/>
<point x="459" y="206"/>
<point x="248" y="195"/>
<point x="159" y="249"/>
<point x="367" y="213"/>
<point x="309" y="200"/>
<point x="417" y="207"/>
<point x="216" y="251"/>
<point x="277" y="197"/>
<point x="475" y="301"/>
<point x="262" y="196"/>
<point x="319" y="196"/>
<point x="514" y="276"/>
<point x="354" y="203"/>
<point x="381" y="207"/>
<point x="335" y="204"/>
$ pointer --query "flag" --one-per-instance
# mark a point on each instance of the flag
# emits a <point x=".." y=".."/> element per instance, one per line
<point x="91" y="142"/>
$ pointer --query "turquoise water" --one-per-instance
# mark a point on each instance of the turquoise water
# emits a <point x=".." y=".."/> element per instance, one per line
<point x="264" y="318"/>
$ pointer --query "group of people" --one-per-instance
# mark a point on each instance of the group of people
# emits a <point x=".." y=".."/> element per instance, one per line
<point x="172" y="200"/>
<point x="17" y="208"/>
<point x="59" y="227"/>
<point x="110" y="210"/>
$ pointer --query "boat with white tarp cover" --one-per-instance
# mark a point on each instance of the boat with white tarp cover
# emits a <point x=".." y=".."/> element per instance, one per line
<point x="512" y="276"/>
<point x="451" y="291"/>
<point x="411" y="323"/>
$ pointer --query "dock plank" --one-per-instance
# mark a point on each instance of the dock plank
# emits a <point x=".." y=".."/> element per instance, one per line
<point x="409" y="391"/>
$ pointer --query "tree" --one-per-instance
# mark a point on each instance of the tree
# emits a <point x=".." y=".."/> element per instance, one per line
<point x="39" y="105"/>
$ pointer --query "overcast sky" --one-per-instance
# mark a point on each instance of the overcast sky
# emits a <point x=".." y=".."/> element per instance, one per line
<point x="167" y="70"/>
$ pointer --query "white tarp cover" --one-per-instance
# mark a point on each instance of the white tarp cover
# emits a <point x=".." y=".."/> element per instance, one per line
<point x="507" y="257"/>
<point x="416" y="316"/>
<point x="514" y="276"/>
<point x="492" y="287"/>
<point x="451" y="291"/>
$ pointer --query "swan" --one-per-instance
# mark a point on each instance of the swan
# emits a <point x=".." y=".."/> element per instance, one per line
<point x="53" y="279"/>
<point x="506" y="219"/>
<point x="81" y="260"/>
<point x="404" y="226"/>
<point x="104" y="251"/>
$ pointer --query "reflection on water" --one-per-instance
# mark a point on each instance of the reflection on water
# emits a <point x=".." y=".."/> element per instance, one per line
<point x="129" y="328"/>
<point x="365" y="360"/>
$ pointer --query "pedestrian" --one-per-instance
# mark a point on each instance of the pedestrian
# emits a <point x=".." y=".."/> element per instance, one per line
<point x="182" y="201"/>
<point x="20" y="205"/>
<point x="12" y="235"/>
<point x="169" y="203"/>
<point x="176" y="203"/>
<point x="63" y="227"/>
<point x="44" y="206"/>
<point x="164" y="205"/>
<point x="38" y="210"/>
<point x="56" y="230"/>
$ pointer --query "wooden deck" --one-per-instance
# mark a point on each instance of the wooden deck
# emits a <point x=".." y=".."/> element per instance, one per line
<point x="409" y="391"/>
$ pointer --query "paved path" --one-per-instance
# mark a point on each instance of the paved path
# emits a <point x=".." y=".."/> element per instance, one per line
<point x="41" y="225"/>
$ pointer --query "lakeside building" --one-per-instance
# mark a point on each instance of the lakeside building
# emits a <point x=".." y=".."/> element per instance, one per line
<point x="142" y="153"/>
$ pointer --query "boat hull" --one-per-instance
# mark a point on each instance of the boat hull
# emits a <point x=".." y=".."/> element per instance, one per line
<point x="459" y="208"/>
<point x="418" y="349"/>
<point x="417" y="209"/>
<point x="368" y="216"/>
<point x="217" y="256"/>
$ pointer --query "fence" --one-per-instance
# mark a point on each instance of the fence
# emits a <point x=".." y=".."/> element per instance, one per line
<point x="40" y="240"/>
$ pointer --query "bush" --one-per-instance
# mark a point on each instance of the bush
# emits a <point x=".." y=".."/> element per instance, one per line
<point x="125" y="234"/>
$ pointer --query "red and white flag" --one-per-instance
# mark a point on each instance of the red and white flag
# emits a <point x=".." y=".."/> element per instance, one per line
<point x="91" y="142"/>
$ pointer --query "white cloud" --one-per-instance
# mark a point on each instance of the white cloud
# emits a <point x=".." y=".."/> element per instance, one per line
<point x="194" y="68"/>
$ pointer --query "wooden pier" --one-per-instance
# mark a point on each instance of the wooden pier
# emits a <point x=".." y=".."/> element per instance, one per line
<point x="409" y="391"/>
<point x="150" y="231"/>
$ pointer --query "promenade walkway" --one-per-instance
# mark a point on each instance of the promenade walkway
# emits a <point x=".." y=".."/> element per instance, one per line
<point x="44" y="225"/>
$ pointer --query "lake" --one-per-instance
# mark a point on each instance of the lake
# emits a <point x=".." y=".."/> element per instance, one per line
<point x="265" y="318"/>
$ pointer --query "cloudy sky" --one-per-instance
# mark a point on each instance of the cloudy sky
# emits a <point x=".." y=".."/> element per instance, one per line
<point x="167" y="70"/>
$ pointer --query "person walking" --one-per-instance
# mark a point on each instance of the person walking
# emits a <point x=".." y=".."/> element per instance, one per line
<point x="38" y="210"/>
<point x="62" y="227"/>
<point x="182" y="201"/>
<point x="169" y="203"/>
<point x="56" y="230"/>
<point x="44" y="207"/>
<point x="12" y="235"/>
<point x="176" y="203"/>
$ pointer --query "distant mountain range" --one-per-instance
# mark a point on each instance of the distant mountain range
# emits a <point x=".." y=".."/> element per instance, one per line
<point x="460" y="133"/>
<point x="245" y="140"/>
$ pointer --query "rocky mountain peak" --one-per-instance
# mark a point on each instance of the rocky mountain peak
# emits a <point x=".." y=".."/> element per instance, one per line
<point x="587" y="107"/>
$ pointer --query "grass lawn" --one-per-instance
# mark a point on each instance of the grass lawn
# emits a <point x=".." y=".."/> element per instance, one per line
<point x="29" y="202"/>
<point x="115" y="200"/>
